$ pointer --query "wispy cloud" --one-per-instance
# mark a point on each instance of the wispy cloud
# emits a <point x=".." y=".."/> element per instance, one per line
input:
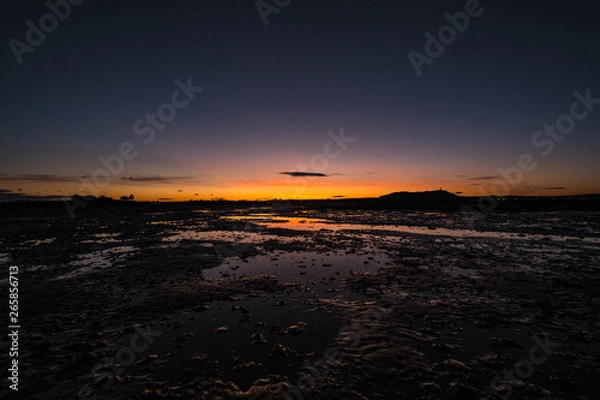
<point x="301" y="173"/>
<point x="35" y="178"/>
<point x="555" y="188"/>
<point x="155" y="179"/>
<point x="483" y="178"/>
<point x="65" y="179"/>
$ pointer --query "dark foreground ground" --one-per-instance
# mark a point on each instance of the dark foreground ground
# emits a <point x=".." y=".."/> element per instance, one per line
<point x="235" y="302"/>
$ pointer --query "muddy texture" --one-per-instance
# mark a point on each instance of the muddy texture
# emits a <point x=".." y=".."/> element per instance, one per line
<point x="325" y="304"/>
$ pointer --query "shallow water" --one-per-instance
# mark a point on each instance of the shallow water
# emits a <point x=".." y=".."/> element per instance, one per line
<point x="317" y="224"/>
<point x="224" y="340"/>
<point x="324" y="269"/>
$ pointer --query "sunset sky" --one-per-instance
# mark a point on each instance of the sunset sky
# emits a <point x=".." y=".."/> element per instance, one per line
<point x="274" y="96"/>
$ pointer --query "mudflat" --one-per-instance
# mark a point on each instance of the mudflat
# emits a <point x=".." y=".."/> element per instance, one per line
<point x="257" y="303"/>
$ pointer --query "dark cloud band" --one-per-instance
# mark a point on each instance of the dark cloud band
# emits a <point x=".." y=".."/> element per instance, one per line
<point x="301" y="173"/>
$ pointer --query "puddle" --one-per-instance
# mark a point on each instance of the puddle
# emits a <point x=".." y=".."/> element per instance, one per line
<point x="268" y="218"/>
<point x="241" y="341"/>
<point x="322" y="272"/>
<point x="317" y="224"/>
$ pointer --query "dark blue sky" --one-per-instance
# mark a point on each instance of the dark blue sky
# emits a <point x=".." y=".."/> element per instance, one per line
<point x="270" y="94"/>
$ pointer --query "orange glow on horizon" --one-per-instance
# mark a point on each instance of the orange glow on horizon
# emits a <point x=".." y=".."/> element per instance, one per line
<point x="286" y="188"/>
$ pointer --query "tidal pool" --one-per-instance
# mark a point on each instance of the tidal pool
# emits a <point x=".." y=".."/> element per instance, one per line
<point x="240" y="341"/>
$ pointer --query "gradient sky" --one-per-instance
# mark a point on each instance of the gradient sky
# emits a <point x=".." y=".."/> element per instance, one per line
<point x="271" y="93"/>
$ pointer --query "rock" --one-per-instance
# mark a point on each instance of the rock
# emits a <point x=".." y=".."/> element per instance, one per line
<point x="221" y="330"/>
<point x="258" y="338"/>
<point x="201" y="308"/>
<point x="279" y="350"/>
<point x="296" y="329"/>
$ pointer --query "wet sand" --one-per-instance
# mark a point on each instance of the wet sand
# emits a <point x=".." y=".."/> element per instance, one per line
<point x="256" y="304"/>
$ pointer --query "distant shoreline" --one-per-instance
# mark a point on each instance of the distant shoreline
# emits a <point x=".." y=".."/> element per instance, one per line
<point x="433" y="201"/>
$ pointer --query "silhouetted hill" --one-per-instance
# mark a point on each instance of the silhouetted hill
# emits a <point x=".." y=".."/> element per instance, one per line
<point x="430" y="196"/>
<point x="439" y="200"/>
